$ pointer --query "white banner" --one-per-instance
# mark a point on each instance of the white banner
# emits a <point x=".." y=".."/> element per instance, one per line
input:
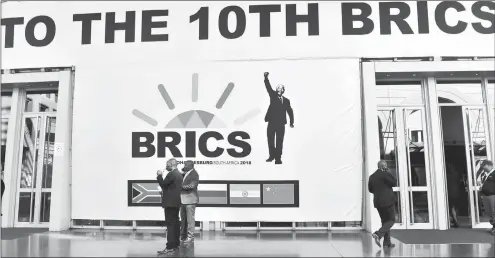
<point x="53" y="34"/>
<point x="322" y="150"/>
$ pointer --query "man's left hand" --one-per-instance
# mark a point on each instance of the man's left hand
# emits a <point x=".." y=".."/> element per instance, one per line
<point x="159" y="172"/>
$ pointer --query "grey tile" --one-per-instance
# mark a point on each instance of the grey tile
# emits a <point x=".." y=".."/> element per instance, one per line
<point x="91" y="243"/>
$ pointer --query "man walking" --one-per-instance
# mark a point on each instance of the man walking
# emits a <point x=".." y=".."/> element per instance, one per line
<point x="171" y="186"/>
<point x="487" y="180"/>
<point x="189" y="198"/>
<point x="276" y="116"/>
<point x="380" y="185"/>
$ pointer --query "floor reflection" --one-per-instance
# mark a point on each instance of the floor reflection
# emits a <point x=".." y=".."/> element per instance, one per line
<point x="89" y="243"/>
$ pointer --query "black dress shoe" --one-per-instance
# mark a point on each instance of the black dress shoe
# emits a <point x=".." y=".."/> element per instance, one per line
<point x="270" y="159"/>
<point x="377" y="239"/>
<point x="188" y="240"/>
<point x="278" y="161"/>
<point x="168" y="251"/>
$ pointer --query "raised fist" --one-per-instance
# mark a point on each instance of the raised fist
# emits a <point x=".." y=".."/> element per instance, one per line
<point x="266" y="74"/>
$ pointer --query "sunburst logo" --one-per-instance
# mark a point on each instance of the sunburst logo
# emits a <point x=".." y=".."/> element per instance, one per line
<point x="197" y="119"/>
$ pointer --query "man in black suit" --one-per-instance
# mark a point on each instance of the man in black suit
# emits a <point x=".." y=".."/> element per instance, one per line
<point x="276" y="116"/>
<point x="171" y="186"/>
<point x="486" y="178"/>
<point x="189" y="198"/>
<point x="380" y="184"/>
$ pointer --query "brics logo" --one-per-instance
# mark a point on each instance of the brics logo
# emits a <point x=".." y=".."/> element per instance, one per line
<point x="183" y="128"/>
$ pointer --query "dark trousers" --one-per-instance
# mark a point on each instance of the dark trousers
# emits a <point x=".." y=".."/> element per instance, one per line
<point x="275" y="133"/>
<point x="188" y="223"/>
<point x="489" y="202"/>
<point x="173" y="227"/>
<point x="387" y="215"/>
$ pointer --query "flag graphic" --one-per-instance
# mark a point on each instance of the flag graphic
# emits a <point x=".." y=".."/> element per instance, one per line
<point x="212" y="193"/>
<point x="245" y="194"/>
<point x="222" y="193"/>
<point x="146" y="193"/>
<point x="278" y="194"/>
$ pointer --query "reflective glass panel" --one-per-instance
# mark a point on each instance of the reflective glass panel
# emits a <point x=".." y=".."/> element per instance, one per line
<point x="40" y="102"/>
<point x="46" y="201"/>
<point x="49" y="151"/>
<point x="6" y="103"/>
<point x="30" y="151"/>
<point x="415" y="147"/>
<point x="388" y="140"/>
<point x="26" y="207"/>
<point x="460" y="93"/>
<point x="420" y="211"/>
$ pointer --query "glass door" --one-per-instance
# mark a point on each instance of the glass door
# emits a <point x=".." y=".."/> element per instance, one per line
<point x="477" y="139"/>
<point x="405" y="148"/>
<point x="416" y="173"/>
<point x="35" y="170"/>
<point x="389" y="149"/>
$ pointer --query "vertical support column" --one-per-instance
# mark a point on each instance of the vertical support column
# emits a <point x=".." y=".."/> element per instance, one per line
<point x="371" y="152"/>
<point x="491" y="116"/>
<point x="218" y="226"/>
<point x="60" y="211"/>
<point x="437" y="166"/>
<point x="207" y="226"/>
<point x="14" y="137"/>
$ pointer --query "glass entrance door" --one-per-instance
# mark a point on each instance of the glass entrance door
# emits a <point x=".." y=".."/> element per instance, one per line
<point x="405" y="148"/>
<point x="35" y="170"/>
<point x="477" y="137"/>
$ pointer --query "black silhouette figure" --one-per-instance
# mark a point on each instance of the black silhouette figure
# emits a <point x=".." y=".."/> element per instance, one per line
<point x="276" y="116"/>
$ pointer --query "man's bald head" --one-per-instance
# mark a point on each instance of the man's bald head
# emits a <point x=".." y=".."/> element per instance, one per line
<point x="280" y="90"/>
<point x="171" y="164"/>
<point x="188" y="165"/>
<point x="382" y="165"/>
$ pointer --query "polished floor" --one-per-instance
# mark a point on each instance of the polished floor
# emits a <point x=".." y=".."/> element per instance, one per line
<point x="91" y="243"/>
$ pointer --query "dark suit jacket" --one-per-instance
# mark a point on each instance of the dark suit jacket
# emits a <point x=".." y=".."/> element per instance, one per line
<point x="171" y="186"/>
<point x="380" y="185"/>
<point x="189" y="193"/>
<point x="277" y="110"/>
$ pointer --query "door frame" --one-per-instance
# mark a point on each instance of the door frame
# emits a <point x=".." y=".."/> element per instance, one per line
<point x="425" y="69"/>
<point x="18" y="82"/>
<point x="405" y="189"/>
<point x="473" y="187"/>
<point x="38" y="174"/>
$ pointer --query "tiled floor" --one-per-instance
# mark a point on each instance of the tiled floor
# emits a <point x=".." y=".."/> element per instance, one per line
<point x="227" y="244"/>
